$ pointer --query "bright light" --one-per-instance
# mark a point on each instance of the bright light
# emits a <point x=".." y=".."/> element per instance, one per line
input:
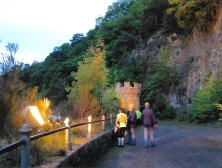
<point x="35" y="112"/>
<point x="32" y="116"/>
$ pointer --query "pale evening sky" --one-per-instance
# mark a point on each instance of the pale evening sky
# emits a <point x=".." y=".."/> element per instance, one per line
<point x="40" y="25"/>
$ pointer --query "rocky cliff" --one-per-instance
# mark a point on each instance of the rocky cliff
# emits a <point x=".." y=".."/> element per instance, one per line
<point x="196" y="56"/>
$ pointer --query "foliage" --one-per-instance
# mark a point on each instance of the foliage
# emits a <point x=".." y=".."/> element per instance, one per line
<point x="43" y="107"/>
<point x="124" y="27"/>
<point x="77" y="38"/>
<point x="190" y="13"/>
<point x="126" y="23"/>
<point x="111" y="101"/>
<point x="79" y="132"/>
<point x="165" y="53"/>
<point x="89" y="82"/>
<point x="14" y="94"/>
<point x="37" y="156"/>
<point x="11" y="158"/>
<point x="159" y="80"/>
<point x="130" y="69"/>
<point x="219" y="106"/>
<point x="8" y="59"/>
<point x="203" y="108"/>
<point x="50" y="76"/>
<point x="52" y="145"/>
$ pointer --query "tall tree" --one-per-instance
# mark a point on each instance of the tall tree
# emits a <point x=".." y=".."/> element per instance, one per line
<point x="89" y="82"/>
<point x="13" y="93"/>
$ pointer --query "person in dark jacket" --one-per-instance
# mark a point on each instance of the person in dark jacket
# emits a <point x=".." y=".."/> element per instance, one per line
<point x="131" y="124"/>
<point x="149" y="121"/>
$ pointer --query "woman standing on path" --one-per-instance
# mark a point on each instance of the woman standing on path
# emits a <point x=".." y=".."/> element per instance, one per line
<point x="121" y="122"/>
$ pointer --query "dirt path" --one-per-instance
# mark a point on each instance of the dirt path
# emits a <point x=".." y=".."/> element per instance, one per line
<point x="179" y="145"/>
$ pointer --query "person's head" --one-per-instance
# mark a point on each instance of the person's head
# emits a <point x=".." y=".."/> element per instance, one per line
<point x="131" y="107"/>
<point x="121" y="110"/>
<point x="147" y="105"/>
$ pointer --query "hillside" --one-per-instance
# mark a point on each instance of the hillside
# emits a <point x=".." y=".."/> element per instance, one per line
<point x="196" y="55"/>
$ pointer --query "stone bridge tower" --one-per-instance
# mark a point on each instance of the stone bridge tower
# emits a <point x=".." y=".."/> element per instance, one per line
<point x="129" y="93"/>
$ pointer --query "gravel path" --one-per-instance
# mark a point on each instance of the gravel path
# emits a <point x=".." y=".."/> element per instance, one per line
<point x="179" y="145"/>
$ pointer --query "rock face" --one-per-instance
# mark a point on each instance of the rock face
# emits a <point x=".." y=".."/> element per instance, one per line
<point x="202" y="58"/>
<point x="196" y="56"/>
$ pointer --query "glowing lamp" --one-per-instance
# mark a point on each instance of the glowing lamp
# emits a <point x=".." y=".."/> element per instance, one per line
<point x="32" y="116"/>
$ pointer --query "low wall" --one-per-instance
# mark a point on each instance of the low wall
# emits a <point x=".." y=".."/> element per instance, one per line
<point x="87" y="154"/>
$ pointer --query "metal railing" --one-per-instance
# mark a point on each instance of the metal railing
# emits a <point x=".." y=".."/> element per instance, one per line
<point x="26" y="138"/>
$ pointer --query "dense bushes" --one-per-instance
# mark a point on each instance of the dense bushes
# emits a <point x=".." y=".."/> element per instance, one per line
<point x="157" y="84"/>
<point x="204" y="106"/>
<point x="191" y="14"/>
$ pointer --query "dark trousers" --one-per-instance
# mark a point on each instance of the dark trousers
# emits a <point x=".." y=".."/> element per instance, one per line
<point x="138" y="122"/>
<point x="121" y="131"/>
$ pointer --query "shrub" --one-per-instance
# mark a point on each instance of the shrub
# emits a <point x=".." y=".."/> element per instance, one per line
<point x="160" y="79"/>
<point x="203" y="108"/>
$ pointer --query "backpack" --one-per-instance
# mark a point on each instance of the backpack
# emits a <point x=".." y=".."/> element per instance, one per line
<point x="135" y="121"/>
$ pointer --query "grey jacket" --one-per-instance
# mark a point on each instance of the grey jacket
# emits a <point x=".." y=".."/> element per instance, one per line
<point x="148" y="117"/>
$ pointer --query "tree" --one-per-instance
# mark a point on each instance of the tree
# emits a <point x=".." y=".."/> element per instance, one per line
<point x="191" y="14"/>
<point x="160" y="78"/>
<point x="8" y="59"/>
<point x="111" y="101"/>
<point x="203" y="108"/>
<point x="14" y="95"/>
<point x="77" y="38"/>
<point x="89" y="82"/>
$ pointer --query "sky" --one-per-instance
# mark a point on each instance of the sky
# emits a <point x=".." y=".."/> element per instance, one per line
<point x="38" y="26"/>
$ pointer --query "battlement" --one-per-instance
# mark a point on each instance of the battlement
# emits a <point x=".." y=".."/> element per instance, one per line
<point x="129" y="93"/>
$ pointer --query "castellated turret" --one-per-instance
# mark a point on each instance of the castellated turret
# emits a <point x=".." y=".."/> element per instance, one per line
<point x="129" y="93"/>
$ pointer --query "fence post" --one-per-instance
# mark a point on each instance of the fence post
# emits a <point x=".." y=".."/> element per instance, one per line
<point x="68" y="133"/>
<point x="111" y="120"/>
<point x="89" y="135"/>
<point x="103" y="123"/>
<point x="25" y="130"/>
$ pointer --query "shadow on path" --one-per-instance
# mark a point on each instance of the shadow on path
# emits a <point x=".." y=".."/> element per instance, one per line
<point x="179" y="145"/>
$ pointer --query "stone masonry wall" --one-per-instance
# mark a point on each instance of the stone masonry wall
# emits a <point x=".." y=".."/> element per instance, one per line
<point x="129" y="94"/>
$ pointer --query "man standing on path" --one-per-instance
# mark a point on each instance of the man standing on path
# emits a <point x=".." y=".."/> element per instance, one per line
<point x="131" y="124"/>
<point x="149" y="121"/>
